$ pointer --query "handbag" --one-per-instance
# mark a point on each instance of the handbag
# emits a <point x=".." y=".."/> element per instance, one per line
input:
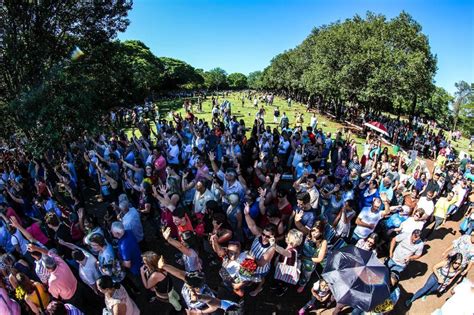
<point x="465" y="225"/>
<point x="288" y="273"/>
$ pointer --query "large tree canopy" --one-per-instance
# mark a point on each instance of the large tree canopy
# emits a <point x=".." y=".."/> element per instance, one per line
<point x="37" y="35"/>
<point x="373" y="62"/>
<point x="237" y="81"/>
<point x="216" y="78"/>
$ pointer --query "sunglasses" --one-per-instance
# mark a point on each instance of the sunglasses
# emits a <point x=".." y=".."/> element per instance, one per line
<point x="266" y="235"/>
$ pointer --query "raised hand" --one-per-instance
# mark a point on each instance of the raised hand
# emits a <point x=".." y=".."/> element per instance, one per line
<point x="166" y="233"/>
<point x="262" y="192"/>
<point x="277" y="177"/>
<point x="14" y="222"/>
<point x="161" y="263"/>
<point x="163" y="189"/>
<point x="212" y="156"/>
<point x="271" y="240"/>
<point x="299" y="215"/>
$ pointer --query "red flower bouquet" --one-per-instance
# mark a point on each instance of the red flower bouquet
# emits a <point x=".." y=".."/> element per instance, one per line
<point x="247" y="267"/>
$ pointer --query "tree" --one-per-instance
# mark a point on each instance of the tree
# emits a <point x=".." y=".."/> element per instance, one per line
<point x="463" y="96"/>
<point x="178" y="73"/>
<point x="215" y="78"/>
<point x="237" y="81"/>
<point x="379" y="64"/>
<point x="45" y="94"/>
<point x="39" y="35"/>
<point x="438" y="106"/>
<point x="254" y="80"/>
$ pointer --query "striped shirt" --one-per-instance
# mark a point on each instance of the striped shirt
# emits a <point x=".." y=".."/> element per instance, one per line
<point x="257" y="251"/>
<point x="41" y="271"/>
<point x="72" y="310"/>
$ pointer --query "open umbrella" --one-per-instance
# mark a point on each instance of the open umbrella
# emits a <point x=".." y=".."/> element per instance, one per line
<point x="379" y="127"/>
<point x="357" y="278"/>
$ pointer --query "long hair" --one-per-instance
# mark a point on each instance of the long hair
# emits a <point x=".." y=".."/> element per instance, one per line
<point x="454" y="258"/>
<point x="151" y="258"/>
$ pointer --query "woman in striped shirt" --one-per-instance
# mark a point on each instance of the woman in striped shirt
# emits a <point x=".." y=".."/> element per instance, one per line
<point x="261" y="250"/>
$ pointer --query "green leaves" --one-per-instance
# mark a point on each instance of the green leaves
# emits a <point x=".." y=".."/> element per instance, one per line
<point x="369" y="61"/>
<point x="237" y="81"/>
<point x="215" y="78"/>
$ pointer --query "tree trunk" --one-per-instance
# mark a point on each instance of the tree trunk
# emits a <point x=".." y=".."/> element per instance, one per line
<point x="413" y="105"/>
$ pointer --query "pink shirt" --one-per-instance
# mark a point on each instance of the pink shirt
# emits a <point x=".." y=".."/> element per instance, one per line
<point x="62" y="282"/>
<point x="7" y="305"/>
<point x="12" y="213"/>
<point x="36" y="232"/>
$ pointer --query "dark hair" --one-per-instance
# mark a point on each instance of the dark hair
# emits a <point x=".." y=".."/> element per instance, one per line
<point x="272" y="210"/>
<point x="25" y="283"/>
<point x="312" y="176"/>
<point x="270" y="227"/>
<point x="106" y="282"/>
<point x="212" y="205"/>
<point x="453" y="258"/>
<point x="92" y="219"/>
<point x="52" y="219"/>
<point x="304" y="196"/>
<point x="194" y="279"/>
<point x="374" y="236"/>
<point x="282" y="192"/>
<point x="220" y="218"/>
<point x="179" y="212"/>
<point x="98" y="239"/>
<point x="78" y="255"/>
<point x="189" y="239"/>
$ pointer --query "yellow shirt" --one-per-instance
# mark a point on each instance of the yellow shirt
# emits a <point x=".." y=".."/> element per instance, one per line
<point x="33" y="297"/>
<point x="441" y="207"/>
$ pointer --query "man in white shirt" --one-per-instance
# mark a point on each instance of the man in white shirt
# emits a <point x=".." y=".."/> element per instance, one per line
<point x="172" y="153"/>
<point x="309" y="187"/>
<point x="426" y="203"/>
<point x="201" y="197"/>
<point x="87" y="267"/>
<point x="369" y="217"/>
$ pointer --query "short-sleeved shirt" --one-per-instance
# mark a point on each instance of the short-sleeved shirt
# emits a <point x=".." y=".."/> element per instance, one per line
<point x="62" y="283"/>
<point x="427" y="205"/>
<point x="131" y="221"/>
<point x="369" y="217"/>
<point x="405" y="249"/>
<point x="89" y="272"/>
<point x="309" y="217"/>
<point x="129" y="250"/>
<point x="431" y="186"/>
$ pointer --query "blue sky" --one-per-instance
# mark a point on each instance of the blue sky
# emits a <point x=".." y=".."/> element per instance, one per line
<point x="243" y="36"/>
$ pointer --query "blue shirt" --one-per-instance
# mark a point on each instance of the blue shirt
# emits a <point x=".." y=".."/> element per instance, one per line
<point x="300" y="168"/>
<point x="388" y="191"/>
<point x="129" y="250"/>
<point x="309" y="217"/>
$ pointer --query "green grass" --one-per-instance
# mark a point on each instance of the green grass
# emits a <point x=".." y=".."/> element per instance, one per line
<point x="247" y="113"/>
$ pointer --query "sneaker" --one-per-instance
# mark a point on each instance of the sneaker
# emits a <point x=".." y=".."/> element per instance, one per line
<point x="300" y="289"/>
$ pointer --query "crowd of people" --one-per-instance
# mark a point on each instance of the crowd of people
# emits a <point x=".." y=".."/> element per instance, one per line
<point x="186" y="199"/>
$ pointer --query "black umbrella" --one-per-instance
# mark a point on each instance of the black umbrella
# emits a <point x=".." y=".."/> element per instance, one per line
<point x="357" y="278"/>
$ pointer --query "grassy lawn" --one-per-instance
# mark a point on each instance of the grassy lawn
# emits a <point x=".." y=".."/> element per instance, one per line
<point x="247" y="113"/>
